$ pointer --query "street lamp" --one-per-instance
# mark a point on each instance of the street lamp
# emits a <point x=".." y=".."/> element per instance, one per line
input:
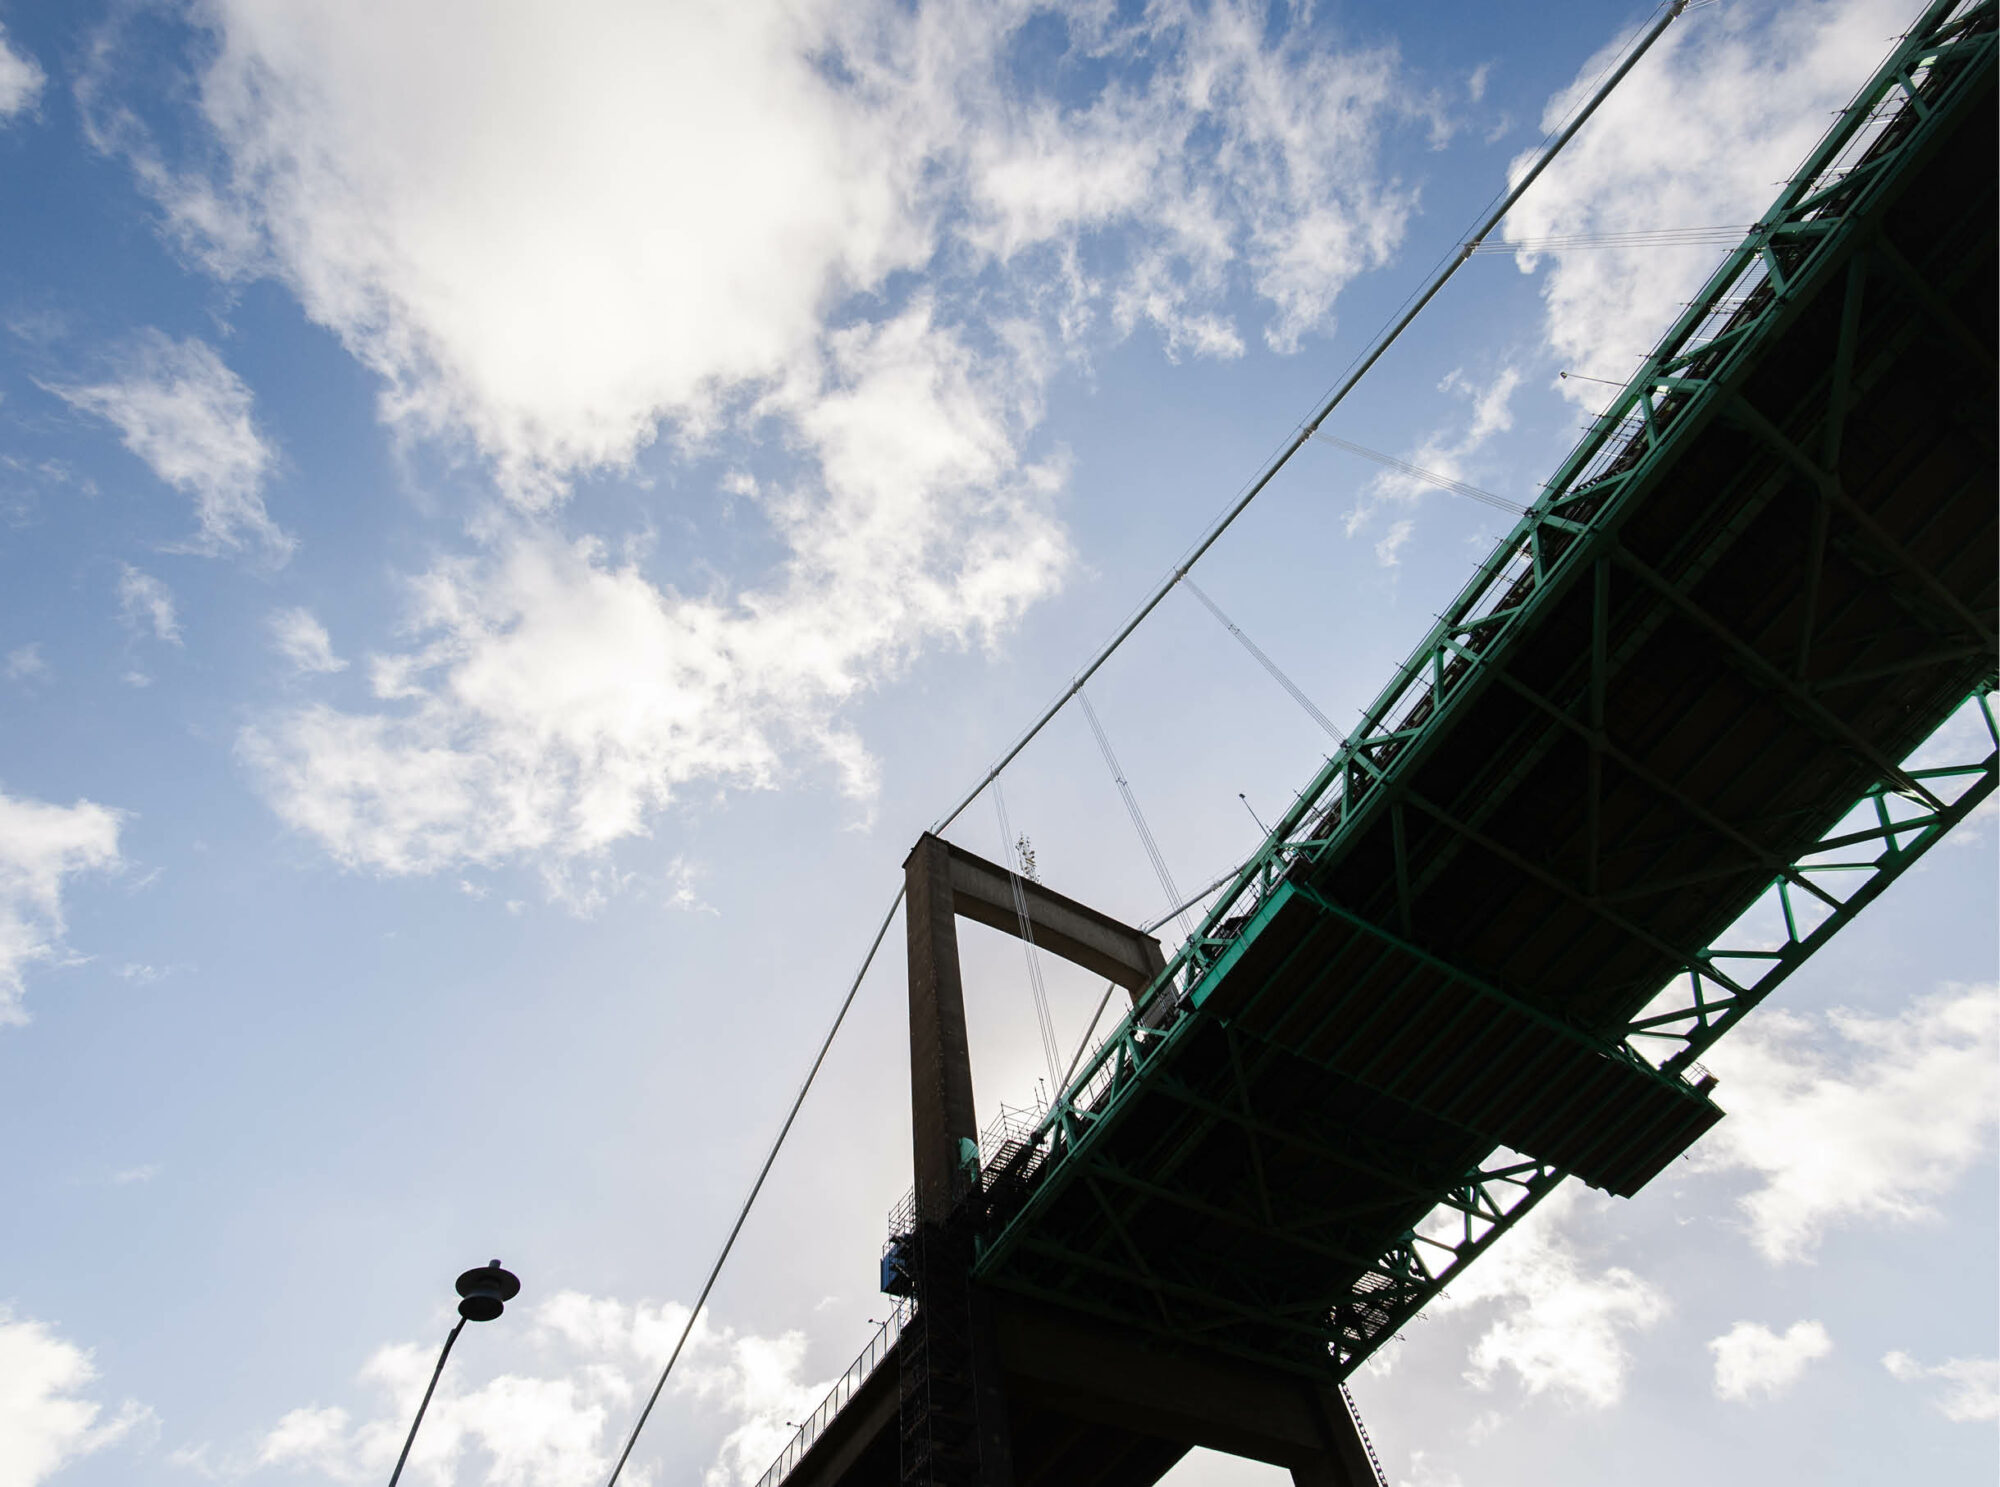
<point x="484" y="1293"/>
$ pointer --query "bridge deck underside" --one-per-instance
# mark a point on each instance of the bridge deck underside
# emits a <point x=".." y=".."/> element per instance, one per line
<point x="1751" y="648"/>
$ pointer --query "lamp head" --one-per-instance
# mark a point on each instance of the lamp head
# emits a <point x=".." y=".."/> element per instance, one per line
<point x="486" y="1292"/>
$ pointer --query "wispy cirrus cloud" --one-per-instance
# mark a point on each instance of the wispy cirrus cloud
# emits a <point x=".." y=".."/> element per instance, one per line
<point x="302" y="640"/>
<point x="179" y="408"/>
<point x="1968" y="1388"/>
<point x="25" y="663"/>
<point x="42" y="846"/>
<point x="146" y="605"/>
<point x="21" y="80"/>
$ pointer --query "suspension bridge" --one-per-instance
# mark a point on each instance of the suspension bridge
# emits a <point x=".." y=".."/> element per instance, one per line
<point x="1728" y="678"/>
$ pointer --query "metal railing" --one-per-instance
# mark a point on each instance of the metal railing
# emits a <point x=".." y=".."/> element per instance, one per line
<point x="1015" y="1125"/>
<point x="836" y="1399"/>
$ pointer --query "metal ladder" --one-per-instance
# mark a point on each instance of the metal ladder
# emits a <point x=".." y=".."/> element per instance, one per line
<point x="936" y="1403"/>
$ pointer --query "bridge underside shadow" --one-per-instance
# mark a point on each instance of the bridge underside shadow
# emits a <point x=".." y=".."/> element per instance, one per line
<point x="1089" y="1407"/>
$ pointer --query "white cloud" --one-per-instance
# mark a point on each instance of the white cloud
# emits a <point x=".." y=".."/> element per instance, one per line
<point x="561" y="1425"/>
<point x="1236" y="152"/>
<point x="302" y="640"/>
<point x="145" y="603"/>
<point x="1424" y="1473"/>
<point x="1971" y="1385"/>
<point x="558" y="696"/>
<point x="40" y="845"/>
<point x="682" y="875"/>
<point x="1388" y="552"/>
<point x="553" y="237"/>
<point x="845" y="247"/>
<point x="1446" y="451"/>
<point x="25" y="662"/>
<point x="45" y="1420"/>
<point x="21" y="80"/>
<point x="1699" y="134"/>
<point x="1752" y="1361"/>
<point x="1561" y="1324"/>
<point x="1854" y="1117"/>
<point x="183" y="412"/>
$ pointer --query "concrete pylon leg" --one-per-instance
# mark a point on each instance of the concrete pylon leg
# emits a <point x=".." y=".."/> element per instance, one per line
<point x="963" y="1384"/>
<point x="941" y="1109"/>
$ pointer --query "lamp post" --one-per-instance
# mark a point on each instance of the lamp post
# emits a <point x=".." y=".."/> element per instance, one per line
<point x="484" y="1293"/>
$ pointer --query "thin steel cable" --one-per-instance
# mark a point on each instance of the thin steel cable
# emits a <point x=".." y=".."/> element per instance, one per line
<point x="1413" y="307"/>
<point x="1110" y="986"/>
<point x="1659" y="237"/>
<point x="1442" y="482"/>
<point x="1044" y="1018"/>
<point x="1266" y="662"/>
<point x="1186" y="904"/>
<point x="1360" y="368"/>
<point x="715" y="1270"/>
<point x="1084" y="1042"/>
<point x="1138" y="816"/>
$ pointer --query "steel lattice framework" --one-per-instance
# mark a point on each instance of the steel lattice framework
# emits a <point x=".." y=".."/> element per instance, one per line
<point x="1656" y="754"/>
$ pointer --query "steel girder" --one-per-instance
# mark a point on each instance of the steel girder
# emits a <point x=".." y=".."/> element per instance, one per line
<point x="1694" y="377"/>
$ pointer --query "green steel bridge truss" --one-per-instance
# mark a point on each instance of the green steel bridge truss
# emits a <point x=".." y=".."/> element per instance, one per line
<point x="1571" y="535"/>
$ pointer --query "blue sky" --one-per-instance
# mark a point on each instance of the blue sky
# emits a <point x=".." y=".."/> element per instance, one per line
<point x="516" y="516"/>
